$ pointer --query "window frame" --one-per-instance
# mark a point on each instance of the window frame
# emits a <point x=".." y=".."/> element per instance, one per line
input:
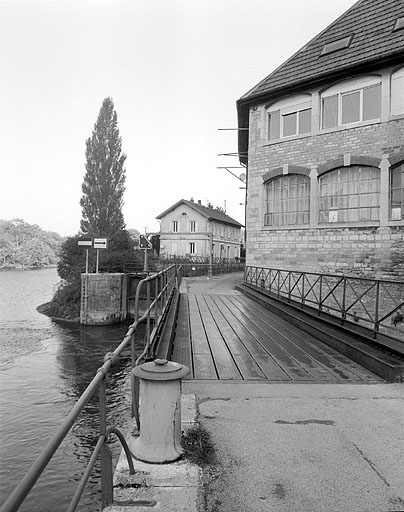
<point x="276" y="204"/>
<point x="342" y="90"/>
<point x="397" y="87"/>
<point x="398" y="205"/>
<point x="351" y="195"/>
<point x="174" y="226"/>
<point x="192" y="226"/>
<point x="278" y="112"/>
<point x="192" y="248"/>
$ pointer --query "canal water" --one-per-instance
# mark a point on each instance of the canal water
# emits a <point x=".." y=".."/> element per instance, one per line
<point x="45" y="366"/>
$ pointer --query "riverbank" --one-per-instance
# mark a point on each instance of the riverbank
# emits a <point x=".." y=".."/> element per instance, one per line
<point x="48" y="309"/>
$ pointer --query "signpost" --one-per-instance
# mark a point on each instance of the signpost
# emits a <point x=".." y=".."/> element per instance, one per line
<point x="99" y="242"/>
<point x="85" y="242"/>
<point x="145" y="245"/>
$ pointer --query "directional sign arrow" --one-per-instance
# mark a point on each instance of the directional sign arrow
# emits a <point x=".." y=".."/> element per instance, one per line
<point x="100" y="243"/>
<point x="144" y="243"/>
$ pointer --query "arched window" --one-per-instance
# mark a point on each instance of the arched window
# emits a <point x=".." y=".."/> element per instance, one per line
<point x="350" y="194"/>
<point x="397" y="192"/>
<point x="288" y="200"/>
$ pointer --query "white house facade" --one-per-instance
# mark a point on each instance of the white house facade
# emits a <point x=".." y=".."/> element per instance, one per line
<point x="192" y="230"/>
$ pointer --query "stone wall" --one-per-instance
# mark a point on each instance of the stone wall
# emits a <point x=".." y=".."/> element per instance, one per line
<point x="103" y="299"/>
<point x="365" y="252"/>
<point x="372" y="249"/>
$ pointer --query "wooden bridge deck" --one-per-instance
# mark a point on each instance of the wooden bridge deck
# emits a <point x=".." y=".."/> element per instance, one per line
<point x="231" y="337"/>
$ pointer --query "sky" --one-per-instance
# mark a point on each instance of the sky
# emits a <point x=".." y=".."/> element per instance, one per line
<point x="174" y="69"/>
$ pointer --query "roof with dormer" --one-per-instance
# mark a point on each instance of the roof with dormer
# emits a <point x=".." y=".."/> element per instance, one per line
<point x="208" y="212"/>
<point x="370" y="23"/>
<point x="374" y="42"/>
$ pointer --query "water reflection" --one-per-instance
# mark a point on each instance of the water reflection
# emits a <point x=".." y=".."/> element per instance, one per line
<point x="40" y="383"/>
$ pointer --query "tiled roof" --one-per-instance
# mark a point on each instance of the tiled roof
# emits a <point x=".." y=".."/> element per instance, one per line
<point x="371" y="23"/>
<point x="206" y="211"/>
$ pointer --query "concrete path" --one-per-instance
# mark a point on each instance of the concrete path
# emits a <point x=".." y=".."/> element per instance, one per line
<point x="304" y="447"/>
<point x="300" y="447"/>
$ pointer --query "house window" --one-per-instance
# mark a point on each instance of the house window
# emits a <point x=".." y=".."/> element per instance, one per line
<point x="191" y="247"/>
<point x="397" y="193"/>
<point x="288" y="201"/>
<point x="397" y="92"/>
<point x="352" y="102"/>
<point x="192" y="226"/>
<point x="175" y="226"/>
<point x="349" y="194"/>
<point x="286" y="125"/>
<point x="289" y="117"/>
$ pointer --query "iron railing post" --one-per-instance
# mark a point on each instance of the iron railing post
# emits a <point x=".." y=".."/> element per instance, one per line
<point x="376" y="324"/>
<point x="343" y="313"/>
<point x="320" y="297"/>
<point x="107" y="492"/>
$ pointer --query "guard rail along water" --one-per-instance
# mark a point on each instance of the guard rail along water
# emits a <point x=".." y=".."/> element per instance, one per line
<point x="373" y="304"/>
<point x="162" y="285"/>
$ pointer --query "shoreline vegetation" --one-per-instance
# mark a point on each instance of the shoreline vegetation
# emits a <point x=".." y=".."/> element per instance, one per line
<point x="48" y="309"/>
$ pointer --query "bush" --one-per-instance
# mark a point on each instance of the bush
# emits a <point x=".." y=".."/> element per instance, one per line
<point x="72" y="263"/>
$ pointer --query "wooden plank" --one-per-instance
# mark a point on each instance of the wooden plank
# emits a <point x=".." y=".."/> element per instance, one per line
<point x="182" y="343"/>
<point x="341" y="366"/>
<point x="336" y="363"/>
<point x="283" y="337"/>
<point x="248" y="368"/>
<point x="225" y="365"/>
<point x="269" y="366"/>
<point x="296" y="369"/>
<point x="204" y="367"/>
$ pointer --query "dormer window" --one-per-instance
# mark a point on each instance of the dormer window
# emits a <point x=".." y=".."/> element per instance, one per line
<point x="353" y="101"/>
<point x="289" y="117"/>
<point x="399" y="25"/>
<point x="334" y="46"/>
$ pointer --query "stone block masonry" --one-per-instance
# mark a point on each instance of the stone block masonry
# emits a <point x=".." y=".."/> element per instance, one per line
<point x="348" y="250"/>
<point x="369" y="249"/>
<point x="103" y="299"/>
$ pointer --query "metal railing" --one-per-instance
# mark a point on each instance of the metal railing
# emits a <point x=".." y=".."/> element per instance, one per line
<point x="376" y="305"/>
<point x="164" y="283"/>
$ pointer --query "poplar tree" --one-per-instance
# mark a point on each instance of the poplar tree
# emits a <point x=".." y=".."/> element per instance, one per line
<point x="104" y="182"/>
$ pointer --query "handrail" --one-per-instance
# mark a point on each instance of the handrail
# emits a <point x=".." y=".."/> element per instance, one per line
<point x="171" y="279"/>
<point x="360" y="301"/>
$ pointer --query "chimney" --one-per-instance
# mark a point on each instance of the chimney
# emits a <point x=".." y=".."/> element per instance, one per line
<point x="192" y="199"/>
<point x="199" y="201"/>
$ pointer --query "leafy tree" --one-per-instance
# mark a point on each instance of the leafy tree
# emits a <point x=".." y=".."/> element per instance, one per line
<point x="104" y="181"/>
<point x="26" y="245"/>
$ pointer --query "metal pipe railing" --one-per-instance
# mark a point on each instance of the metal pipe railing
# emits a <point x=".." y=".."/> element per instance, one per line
<point x="172" y="277"/>
<point x="359" y="300"/>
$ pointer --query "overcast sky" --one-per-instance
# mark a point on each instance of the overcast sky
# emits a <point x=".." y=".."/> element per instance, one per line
<point x="174" y="69"/>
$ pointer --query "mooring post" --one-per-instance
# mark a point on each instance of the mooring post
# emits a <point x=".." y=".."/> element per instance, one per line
<point x="159" y="410"/>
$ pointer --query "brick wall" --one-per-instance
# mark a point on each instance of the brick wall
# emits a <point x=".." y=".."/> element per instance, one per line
<point x="376" y="250"/>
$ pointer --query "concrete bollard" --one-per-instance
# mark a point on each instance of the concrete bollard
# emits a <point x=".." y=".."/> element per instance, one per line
<point x="159" y="410"/>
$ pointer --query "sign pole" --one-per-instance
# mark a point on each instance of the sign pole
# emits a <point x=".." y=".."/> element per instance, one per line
<point x="145" y="267"/>
<point x="98" y="255"/>
<point x="86" y="261"/>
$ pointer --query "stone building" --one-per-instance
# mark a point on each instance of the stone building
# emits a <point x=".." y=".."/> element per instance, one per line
<point x="189" y="229"/>
<point x="323" y="142"/>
